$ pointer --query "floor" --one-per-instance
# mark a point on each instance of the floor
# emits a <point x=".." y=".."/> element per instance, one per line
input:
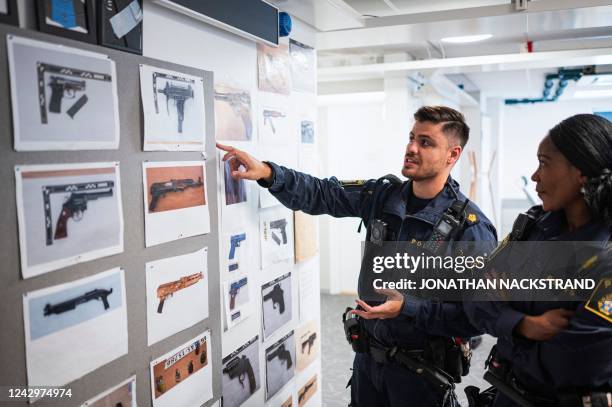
<point x="337" y="356"/>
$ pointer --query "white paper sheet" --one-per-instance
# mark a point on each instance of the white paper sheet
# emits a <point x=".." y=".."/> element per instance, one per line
<point x="178" y="213"/>
<point x="64" y="343"/>
<point x="183" y="376"/>
<point x="237" y="300"/>
<point x="164" y="94"/>
<point x="62" y="98"/>
<point x="82" y="200"/>
<point x="276" y="235"/>
<point x="182" y="283"/>
<point x="277" y="304"/>
<point x="123" y="394"/>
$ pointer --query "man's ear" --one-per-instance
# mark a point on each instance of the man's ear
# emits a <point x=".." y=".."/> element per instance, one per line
<point x="455" y="153"/>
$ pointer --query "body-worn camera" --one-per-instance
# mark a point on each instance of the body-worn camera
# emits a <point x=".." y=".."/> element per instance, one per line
<point x="378" y="232"/>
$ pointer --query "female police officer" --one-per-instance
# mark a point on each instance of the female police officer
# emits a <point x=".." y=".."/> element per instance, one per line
<point x="546" y="356"/>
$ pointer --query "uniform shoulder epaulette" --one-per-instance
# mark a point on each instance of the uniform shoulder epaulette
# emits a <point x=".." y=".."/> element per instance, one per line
<point x="471" y="215"/>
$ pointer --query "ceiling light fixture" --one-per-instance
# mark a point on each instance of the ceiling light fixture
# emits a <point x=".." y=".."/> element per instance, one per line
<point x="467" y="38"/>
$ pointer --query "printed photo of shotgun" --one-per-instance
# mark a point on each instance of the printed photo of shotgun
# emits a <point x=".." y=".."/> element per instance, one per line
<point x="168" y="289"/>
<point x="171" y="188"/>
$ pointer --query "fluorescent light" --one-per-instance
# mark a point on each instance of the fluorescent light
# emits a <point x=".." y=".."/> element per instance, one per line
<point x="466" y="38"/>
<point x="598" y="93"/>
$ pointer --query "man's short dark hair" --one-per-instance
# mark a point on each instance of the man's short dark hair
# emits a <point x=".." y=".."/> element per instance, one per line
<point x="454" y="122"/>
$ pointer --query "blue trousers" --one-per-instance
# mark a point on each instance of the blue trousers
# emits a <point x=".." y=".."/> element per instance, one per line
<point x="389" y="385"/>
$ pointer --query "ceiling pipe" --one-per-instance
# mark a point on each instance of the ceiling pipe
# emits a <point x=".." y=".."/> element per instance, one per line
<point x="563" y="76"/>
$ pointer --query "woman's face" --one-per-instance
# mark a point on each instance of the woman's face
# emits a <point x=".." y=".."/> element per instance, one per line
<point x="557" y="181"/>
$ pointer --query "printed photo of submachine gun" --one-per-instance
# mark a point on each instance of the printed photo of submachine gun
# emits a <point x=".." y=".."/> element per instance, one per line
<point x="69" y="305"/>
<point x="168" y="289"/>
<point x="239" y="367"/>
<point x="277" y="295"/>
<point x="74" y="207"/>
<point x="174" y="91"/>
<point x="160" y="189"/>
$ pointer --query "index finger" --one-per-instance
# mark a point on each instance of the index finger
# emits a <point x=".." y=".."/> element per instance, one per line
<point x="224" y="147"/>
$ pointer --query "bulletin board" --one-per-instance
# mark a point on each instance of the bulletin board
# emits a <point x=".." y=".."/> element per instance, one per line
<point x="132" y="260"/>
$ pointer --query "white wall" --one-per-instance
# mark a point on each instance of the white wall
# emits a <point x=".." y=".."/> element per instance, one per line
<point x="519" y="129"/>
<point x="524" y="127"/>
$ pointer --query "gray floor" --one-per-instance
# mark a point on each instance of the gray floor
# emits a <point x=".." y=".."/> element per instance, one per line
<point x="337" y="356"/>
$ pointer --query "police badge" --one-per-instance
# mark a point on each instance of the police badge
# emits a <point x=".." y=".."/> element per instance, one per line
<point x="600" y="302"/>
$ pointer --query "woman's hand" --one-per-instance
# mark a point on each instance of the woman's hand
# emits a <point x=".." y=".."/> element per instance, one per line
<point x="389" y="309"/>
<point x="545" y="326"/>
<point x="254" y="169"/>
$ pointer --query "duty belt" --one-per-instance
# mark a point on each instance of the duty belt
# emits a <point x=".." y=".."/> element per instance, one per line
<point x="499" y="373"/>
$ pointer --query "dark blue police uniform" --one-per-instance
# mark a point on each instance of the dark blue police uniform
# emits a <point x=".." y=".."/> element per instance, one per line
<point x="373" y="383"/>
<point x="576" y="361"/>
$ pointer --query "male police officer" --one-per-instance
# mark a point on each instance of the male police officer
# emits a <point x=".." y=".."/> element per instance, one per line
<point x="408" y="211"/>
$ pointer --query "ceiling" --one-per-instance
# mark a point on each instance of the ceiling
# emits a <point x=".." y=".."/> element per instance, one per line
<point x="378" y="34"/>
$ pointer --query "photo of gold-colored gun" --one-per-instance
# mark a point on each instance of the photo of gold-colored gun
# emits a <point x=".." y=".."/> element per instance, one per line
<point x="168" y="289"/>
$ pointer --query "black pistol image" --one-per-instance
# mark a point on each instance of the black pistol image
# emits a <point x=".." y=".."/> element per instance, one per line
<point x="62" y="87"/>
<point x="277" y="297"/>
<point x="309" y="342"/>
<point x="238" y="367"/>
<point x="75" y="207"/>
<point x="282" y="225"/>
<point x="160" y="189"/>
<point x="179" y="94"/>
<point x="283" y="354"/>
<point x="97" y="294"/>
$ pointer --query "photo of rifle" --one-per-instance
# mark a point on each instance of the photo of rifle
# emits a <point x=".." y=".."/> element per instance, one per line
<point x="178" y="93"/>
<point x="63" y="87"/>
<point x="168" y="289"/>
<point x="160" y="189"/>
<point x="277" y="297"/>
<point x="283" y="354"/>
<point x="240" y="102"/>
<point x="234" y="290"/>
<point x="74" y="207"/>
<point x="280" y="224"/>
<point x="97" y="294"/>
<point x="309" y="342"/>
<point x="269" y="115"/>
<point x="302" y="393"/>
<point x="239" y="367"/>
